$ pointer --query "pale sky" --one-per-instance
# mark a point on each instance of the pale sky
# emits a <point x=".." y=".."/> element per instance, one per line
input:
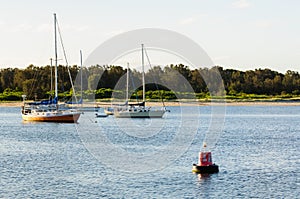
<point x="238" y="34"/>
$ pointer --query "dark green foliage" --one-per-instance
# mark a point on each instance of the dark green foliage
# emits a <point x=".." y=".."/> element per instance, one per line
<point x="170" y="82"/>
<point x="9" y="95"/>
<point x="103" y="93"/>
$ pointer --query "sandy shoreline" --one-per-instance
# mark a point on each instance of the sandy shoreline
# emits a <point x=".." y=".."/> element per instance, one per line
<point x="106" y="104"/>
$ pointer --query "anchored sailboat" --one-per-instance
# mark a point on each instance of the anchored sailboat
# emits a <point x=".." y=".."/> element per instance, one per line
<point x="139" y="110"/>
<point x="47" y="110"/>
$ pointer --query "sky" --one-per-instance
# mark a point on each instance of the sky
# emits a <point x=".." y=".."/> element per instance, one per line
<point x="236" y="34"/>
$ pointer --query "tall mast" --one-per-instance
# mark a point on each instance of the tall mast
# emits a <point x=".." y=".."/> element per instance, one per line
<point x="51" y="77"/>
<point x="143" y="73"/>
<point x="55" y="49"/>
<point x="81" y="75"/>
<point x="127" y="82"/>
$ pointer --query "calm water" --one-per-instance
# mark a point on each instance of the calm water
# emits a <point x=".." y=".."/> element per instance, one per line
<point x="258" y="153"/>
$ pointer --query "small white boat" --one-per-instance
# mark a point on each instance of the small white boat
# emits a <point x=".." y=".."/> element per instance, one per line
<point x="109" y="111"/>
<point x="101" y="115"/>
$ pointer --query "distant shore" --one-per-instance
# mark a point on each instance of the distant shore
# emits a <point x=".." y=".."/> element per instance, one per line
<point x="227" y="103"/>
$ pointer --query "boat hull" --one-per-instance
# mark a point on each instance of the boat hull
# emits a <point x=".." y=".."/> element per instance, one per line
<point x="101" y="115"/>
<point x="63" y="118"/>
<point x="205" y="169"/>
<point x="139" y="114"/>
<point x="107" y="112"/>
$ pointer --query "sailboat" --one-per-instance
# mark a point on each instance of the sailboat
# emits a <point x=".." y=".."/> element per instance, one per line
<point x="110" y="110"/>
<point x="79" y="105"/>
<point x="138" y="110"/>
<point x="47" y="110"/>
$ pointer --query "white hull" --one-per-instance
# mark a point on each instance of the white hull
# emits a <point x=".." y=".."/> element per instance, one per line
<point x="108" y="112"/>
<point x="139" y="114"/>
<point x="79" y="108"/>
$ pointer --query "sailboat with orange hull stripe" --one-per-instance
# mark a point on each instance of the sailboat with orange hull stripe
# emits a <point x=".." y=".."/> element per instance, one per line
<point x="47" y="110"/>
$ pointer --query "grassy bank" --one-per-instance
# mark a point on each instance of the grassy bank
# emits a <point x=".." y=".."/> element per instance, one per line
<point x="104" y="95"/>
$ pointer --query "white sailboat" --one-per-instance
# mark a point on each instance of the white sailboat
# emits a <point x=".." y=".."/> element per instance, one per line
<point x="110" y="110"/>
<point x="79" y="104"/>
<point x="138" y="110"/>
<point x="47" y="110"/>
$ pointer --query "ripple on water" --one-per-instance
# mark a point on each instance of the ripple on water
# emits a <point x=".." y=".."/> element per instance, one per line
<point x="258" y="154"/>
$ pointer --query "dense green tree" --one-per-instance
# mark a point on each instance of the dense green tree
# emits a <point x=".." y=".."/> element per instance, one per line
<point x="36" y="81"/>
<point x="197" y="81"/>
<point x="7" y="78"/>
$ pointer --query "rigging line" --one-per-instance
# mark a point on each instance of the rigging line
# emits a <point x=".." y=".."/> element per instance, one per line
<point x="132" y="81"/>
<point x="65" y="55"/>
<point x="153" y="76"/>
<point x="31" y="85"/>
<point x="34" y="81"/>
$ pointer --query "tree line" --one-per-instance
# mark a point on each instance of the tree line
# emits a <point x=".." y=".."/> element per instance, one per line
<point x="35" y="81"/>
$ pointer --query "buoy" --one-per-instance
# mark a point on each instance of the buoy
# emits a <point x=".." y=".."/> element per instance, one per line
<point x="205" y="164"/>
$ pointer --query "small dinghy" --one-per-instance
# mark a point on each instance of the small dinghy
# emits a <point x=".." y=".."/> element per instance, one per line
<point x="101" y="115"/>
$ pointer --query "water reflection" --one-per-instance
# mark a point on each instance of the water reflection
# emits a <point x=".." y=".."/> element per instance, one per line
<point x="203" y="176"/>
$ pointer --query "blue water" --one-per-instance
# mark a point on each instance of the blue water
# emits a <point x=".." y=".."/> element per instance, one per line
<point x="258" y="153"/>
